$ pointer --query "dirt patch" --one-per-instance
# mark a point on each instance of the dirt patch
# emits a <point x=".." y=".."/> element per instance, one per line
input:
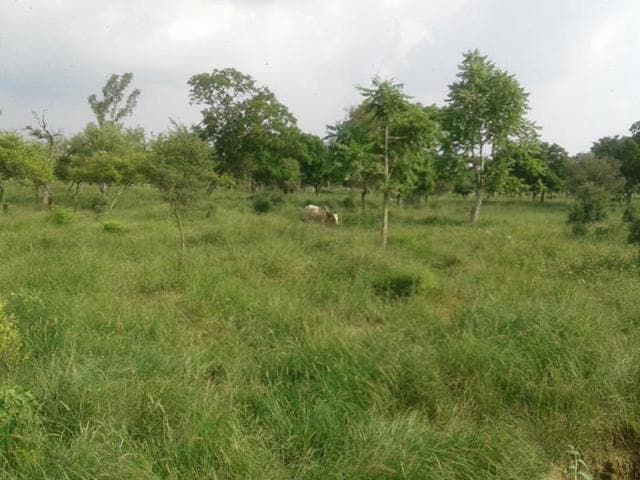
<point x="618" y="466"/>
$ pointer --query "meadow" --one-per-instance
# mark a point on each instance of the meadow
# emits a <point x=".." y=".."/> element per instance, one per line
<point x="277" y="349"/>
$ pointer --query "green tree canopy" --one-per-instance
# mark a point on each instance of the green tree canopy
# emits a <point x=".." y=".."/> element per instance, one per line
<point x="180" y="165"/>
<point x="113" y="107"/>
<point x="250" y="130"/>
<point x="486" y="109"/>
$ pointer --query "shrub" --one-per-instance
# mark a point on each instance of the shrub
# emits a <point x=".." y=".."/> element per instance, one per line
<point x="19" y="426"/>
<point x="394" y="286"/>
<point x="61" y="216"/>
<point x="590" y="207"/>
<point x="98" y="203"/>
<point x="10" y="341"/>
<point x="262" y="205"/>
<point x="114" y="227"/>
<point x="634" y="230"/>
<point x="348" y="202"/>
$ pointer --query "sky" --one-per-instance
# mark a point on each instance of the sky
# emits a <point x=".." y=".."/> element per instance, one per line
<point x="578" y="59"/>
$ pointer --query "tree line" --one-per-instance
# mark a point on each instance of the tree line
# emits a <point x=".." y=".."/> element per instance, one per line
<point x="479" y="143"/>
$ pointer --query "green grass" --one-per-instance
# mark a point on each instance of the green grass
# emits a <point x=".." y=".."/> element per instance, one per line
<point x="276" y="349"/>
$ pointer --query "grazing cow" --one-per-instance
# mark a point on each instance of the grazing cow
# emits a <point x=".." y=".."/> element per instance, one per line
<point x="313" y="213"/>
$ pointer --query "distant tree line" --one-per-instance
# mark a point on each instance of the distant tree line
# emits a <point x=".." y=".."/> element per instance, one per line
<point x="478" y="143"/>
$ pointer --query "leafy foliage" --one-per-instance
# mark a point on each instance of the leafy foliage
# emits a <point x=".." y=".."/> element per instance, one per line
<point x="111" y="107"/>
<point x="10" y="341"/>
<point x="486" y="110"/>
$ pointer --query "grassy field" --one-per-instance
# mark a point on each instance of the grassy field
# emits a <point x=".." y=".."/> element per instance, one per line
<point x="275" y="349"/>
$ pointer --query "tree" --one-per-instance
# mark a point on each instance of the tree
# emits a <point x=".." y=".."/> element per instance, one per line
<point x="486" y="108"/>
<point x="104" y="155"/>
<point x="353" y="155"/>
<point x="313" y="159"/>
<point x="250" y="130"/>
<point x="52" y="139"/>
<point x="179" y="166"/>
<point x="111" y="107"/>
<point x="403" y="132"/>
<point x="20" y="160"/>
<point x="626" y="152"/>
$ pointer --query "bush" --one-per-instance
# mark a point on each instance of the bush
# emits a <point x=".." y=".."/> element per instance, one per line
<point x="348" y="202"/>
<point x="61" y="216"/>
<point x="266" y="202"/>
<point x="10" y="341"/>
<point x="590" y="207"/>
<point x="394" y="286"/>
<point x="98" y="203"/>
<point x="634" y="230"/>
<point x="114" y="227"/>
<point x="19" y="426"/>
<point x="262" y="205"/>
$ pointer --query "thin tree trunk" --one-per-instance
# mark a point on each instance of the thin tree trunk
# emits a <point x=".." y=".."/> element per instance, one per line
<point x="475" y="211"/>
<point x="45" y="196"/>
<point x="75" y="194"/>
<point x="113" y="204"/>
<point x="479" y="186"/>
<point x="385" y="217"/>
<point x="385" y="196"/>
<point x="36" y="189"/>
<point x="362" y="195"/>
<point x="2" y="206"/>
<point x="183" y="242"/>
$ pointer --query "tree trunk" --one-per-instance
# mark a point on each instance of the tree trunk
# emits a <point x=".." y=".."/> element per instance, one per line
<point x="183" y="242"/>
<point x="75" y="194"/>
<point x="45" y="196"/>
<point x="475" y="211"/>
<point x="113" y="204"/>
<point x="362" y="195"/>
<point x="2" y="206"/>
<point x="36" y="190"/>
<point x="385" y="196"/>
<point x="398" y="200"/>
<point x="542" y="197"/>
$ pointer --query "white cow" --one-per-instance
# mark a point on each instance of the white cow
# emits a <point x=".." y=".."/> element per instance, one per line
<point x="313" y="213"/>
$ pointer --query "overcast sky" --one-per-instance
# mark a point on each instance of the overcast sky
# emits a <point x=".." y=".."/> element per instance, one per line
<point x="578" y="59"/>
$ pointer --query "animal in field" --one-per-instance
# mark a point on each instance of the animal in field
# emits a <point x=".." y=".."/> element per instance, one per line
<point x="313" y="213"/>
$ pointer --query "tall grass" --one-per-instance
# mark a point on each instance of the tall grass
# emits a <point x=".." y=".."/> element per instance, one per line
<point x="278" y="349"/>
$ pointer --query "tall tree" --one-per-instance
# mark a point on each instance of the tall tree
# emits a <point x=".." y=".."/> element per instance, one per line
<point x="487" y="107"/>
<point x="113" y="107"/>
<point x="42" y="131"/>
<point x="354" y="159"/>
<point x="403" y="132"/>
<point x="248" y="127"/>
<point x="180" y="165"/>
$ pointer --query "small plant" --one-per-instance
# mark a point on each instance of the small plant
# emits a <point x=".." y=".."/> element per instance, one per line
<point x="114" y="227"/>
<point x="394" y="286"/>
<point x="578" y="469"/>
<point x="19" y="424"/>
<point x="61" y="216"/>
<point x="10" y="340"/>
